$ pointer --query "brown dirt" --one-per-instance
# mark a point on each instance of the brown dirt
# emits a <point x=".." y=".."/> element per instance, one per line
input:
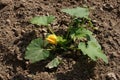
<point x="16" y="33"/>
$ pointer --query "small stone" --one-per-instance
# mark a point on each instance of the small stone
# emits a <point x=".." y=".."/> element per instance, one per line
<point x="96" y="28"/>
<point x="114" y="54"/>
<point x="112" y="22"/>
<point x="27" y="62"/>
<point x="30" y="75"/>
<point x="22" y="32"/>
<point x="106" y="25"/>
<point x="8" y="21"/>
<point x="44" y="34"/>
<point x="44" y="30"/>
<point x="111" y="76"/>
<point x="118" y="76"/>
<point x="107" y="7"/>
<point x="101" y="9"/>
<point x="113" y="63"/>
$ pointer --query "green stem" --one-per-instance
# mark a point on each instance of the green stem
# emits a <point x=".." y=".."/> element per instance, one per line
<point x="90" y="23"/>
<point x="69" y="29"/>
<point x="71" y="48"/>
<point x="68" y="32"/>
<point x="50" y="29"/>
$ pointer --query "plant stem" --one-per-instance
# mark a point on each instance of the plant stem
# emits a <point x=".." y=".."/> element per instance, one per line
<point x="90" y="23"/>
<point x="71" y="48"/>
<point x="50" y="29"/>
<point x="69" y="29"/>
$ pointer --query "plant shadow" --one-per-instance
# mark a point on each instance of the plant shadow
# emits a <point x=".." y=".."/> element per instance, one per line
<point x="14" y="56"/>
<point x="83" y="69"/>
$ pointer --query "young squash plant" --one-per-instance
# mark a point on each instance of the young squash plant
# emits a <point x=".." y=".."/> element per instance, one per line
<point x="77" y="38"/>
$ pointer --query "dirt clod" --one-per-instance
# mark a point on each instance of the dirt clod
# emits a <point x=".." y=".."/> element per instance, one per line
<point x="111" y="76"/>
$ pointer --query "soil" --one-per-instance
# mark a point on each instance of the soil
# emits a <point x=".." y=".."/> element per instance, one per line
<point x="16" y="33"/>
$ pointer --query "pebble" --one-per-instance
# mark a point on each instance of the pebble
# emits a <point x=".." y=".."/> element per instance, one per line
<point x="118" y="76"/>
<point x="30" y="75"/>
<point x="114" y="54"/>
<point x="108" y="7"/>
<point x="112" y="22"/>
<point x="8" y="21"/>
<point x="111" y="76"/>
<point x="23" y="32"/>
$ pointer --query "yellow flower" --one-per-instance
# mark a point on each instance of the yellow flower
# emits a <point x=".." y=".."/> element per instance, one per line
<point x="52" y="39"/>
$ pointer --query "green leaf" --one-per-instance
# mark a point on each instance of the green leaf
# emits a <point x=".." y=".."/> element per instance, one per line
<point x="35" y="51"/>
<point x="79" y="33"/>
<point x="54" y="63"/>
<point x="42" y="20"/>
<point x="78" y="12"/>
<point x="92" y="49"/>
<point x="60" y="40"/>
